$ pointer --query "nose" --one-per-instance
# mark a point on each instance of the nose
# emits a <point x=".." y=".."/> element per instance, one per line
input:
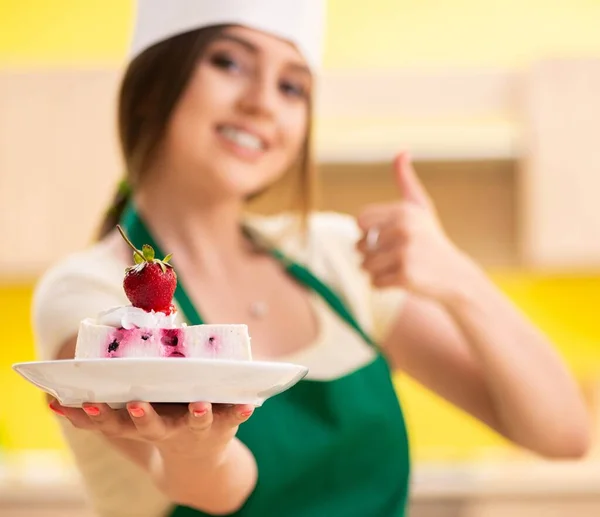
<point x="260" y="96"/>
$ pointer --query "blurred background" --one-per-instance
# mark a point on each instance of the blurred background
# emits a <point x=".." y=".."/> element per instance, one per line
<point x="499" y="103"/>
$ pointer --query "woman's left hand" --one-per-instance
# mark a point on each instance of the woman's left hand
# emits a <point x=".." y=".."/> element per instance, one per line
<point x="404" y="245"/>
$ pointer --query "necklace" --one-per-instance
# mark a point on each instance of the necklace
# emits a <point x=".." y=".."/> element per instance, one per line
<point x="258" y="309"/>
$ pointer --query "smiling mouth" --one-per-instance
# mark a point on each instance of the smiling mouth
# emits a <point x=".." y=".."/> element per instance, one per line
<point x="242" y="138"/>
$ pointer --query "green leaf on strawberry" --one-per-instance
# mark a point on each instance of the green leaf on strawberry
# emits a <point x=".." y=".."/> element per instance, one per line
<point x="148" y="252"/>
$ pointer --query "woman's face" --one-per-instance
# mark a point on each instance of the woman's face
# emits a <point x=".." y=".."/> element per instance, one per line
<point x="242" y="120"/>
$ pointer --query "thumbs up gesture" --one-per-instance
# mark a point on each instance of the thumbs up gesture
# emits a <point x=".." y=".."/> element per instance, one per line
<point x="404" y="245"/>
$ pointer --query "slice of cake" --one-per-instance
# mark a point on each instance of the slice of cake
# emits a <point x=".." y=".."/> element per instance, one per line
<point x="149" y="326"/>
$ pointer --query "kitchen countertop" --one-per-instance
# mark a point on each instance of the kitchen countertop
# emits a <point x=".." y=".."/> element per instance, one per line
<point x="50" y="479"/>
<point x="506" y="479"/>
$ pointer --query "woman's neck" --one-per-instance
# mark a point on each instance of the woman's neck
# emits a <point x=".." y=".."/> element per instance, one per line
<point x="201" y="232"/>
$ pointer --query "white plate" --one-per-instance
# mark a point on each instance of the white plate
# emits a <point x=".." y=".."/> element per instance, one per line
<point x="118" y="381"/>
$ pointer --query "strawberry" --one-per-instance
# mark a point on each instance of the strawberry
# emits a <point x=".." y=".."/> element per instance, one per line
<point x="150" y="283"/>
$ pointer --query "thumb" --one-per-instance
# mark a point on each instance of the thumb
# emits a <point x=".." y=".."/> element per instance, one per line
<point x="411" y="188"/>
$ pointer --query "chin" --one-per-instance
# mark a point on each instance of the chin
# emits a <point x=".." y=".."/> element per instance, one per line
<point x="244" y="182"/>
<point x="248" y="191"/>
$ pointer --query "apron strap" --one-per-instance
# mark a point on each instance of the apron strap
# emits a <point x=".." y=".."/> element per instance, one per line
<point x="138" y="233"/>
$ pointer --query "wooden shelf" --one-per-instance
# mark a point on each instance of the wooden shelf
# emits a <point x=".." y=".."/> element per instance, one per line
<point x="438" y="114"/>
<point x="378" y="140"/>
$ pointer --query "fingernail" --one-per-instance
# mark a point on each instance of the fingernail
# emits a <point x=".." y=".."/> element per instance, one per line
<point x="55" y="409"/>
<point x="91" y="410"/>
<point x="246" y="414"/>
<point x="137" y="412"/>
<point x="199" y="412"/>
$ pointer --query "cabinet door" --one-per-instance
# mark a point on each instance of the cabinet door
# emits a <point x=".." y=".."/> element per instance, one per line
<point x="560" y="180"/>
<point x="58" y="162"/>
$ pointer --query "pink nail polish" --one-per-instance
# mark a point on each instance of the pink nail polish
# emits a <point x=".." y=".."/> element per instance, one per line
<point x="246" y="414"/>
<point x="137" y="412"/>
<point x="55" y="409"/>
<point x="199" y="412"/>
<point x="91" y="410"/>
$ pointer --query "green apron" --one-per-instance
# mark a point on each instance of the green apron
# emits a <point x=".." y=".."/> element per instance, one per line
<point x="335" y="448"/>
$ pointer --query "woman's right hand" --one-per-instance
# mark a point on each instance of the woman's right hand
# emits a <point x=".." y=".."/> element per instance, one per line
<point x="200" y="430"/>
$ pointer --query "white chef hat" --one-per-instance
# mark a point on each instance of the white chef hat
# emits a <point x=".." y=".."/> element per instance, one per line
<point x="300" y="22"/>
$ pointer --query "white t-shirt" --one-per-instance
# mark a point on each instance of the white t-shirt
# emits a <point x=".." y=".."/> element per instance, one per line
<point x="90" y="281"/>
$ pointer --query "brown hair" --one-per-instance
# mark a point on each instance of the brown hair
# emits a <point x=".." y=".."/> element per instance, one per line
<point x="151" y="87"/>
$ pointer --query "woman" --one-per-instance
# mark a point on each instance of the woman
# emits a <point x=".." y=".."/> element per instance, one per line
<point x="214" y="109"/>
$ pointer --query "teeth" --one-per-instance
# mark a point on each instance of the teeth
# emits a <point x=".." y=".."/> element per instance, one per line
<point x="242" y="138"/>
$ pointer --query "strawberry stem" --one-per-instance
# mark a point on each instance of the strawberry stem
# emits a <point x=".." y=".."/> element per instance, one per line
<point x="135" y="250"/>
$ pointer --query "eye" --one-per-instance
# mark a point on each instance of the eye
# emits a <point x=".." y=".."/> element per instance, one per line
<point x="225" y="62"/>
<point x="291" y="89"/>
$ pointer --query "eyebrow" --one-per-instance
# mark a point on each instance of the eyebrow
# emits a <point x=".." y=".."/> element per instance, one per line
<point x="255" y="50"/>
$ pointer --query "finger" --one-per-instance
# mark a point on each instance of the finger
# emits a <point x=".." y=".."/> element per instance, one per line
<point x="388" y="236"/>
<point x="55" y="406"/>
<point x="387" y="278"/>
<point x="410" y="187"/>
<point x="376" y="215"/>
<point x="381" y="262"/>
<point x="149" y="425"/>
<point x="75" y="416"/>
<point x="107" y="420"/>
<point x="231" y="416"/>
<point x="200" y="416"/>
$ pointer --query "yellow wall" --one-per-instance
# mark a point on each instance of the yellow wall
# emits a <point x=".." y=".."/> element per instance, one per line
<point x="24" y="420"/>
<point x="391" y="33"/>
<point x="63" y="32"/>
<point x="381" y="33"/>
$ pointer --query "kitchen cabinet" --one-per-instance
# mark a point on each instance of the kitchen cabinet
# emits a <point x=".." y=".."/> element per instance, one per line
<point x="559" y="178"/>
<point x="510" y="156"/>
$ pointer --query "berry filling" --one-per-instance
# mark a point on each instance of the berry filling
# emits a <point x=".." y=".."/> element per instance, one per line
<point x="147" y="342"/>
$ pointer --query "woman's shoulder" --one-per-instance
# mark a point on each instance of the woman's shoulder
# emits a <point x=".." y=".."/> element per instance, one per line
<point x="96" y="263"/>
<point x="76" y="287"/>
<point x="327" y="245"/>
<point x="323" y="230"/>
<point x="336" y="223"/>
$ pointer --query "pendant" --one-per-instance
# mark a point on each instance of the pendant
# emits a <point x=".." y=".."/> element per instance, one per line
<point x="258" y="309"/>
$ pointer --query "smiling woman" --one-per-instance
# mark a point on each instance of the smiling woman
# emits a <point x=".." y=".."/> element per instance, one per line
<point x="224" y="70"/>
<point x="215" y="107"/>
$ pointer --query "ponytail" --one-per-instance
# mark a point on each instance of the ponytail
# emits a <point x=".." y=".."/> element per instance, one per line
<point x="116" y="209"/>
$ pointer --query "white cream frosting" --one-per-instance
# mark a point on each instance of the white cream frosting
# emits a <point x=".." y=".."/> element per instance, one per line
<point x="128" y="317"/>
